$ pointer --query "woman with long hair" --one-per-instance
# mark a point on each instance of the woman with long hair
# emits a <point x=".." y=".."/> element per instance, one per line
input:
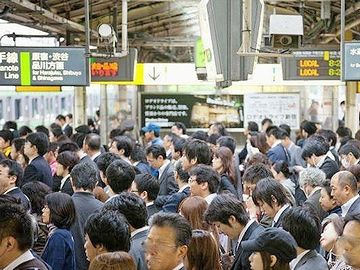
<point x="193" y="209"/>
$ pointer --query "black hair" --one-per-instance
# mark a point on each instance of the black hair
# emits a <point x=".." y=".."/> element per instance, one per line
<point x="222" y="207"/>
<point x="273" y="130"/>
<point x="200" y="135"/>
<point x="53" y="146"/>
<point x="84" y="175"/>
<point x="181" y="125"/>
<point x="267" y="189"/>
<point x="84" y="129"/>
<point x="326" y="184"/>
<point x="120" y="175"/>
<point x="253" y="126"/>
<point x="147" y="182"/>
<point x="176" y="222"/>
<point x="256" y="172"/>
<point x="179" y="144"/>
<point x="93" y="141"/>
<point x="199" y="150"/>
<point x="125" y="143"/>
<point x="310" y="128"/>
<point x="227" y="141"/>
<point x="68" y="146"/>
<point x="42" y="129"/>
<point x="60" y="117"/>
<point x="329" y="135"/>
<point x="78" y="138"/>
<point x="282" y="166"/>
<point x="18" y="144"/>
<point x="56" y="130"/>
<point x="10" y="125"/>
<point x="213" y="138"/>
<point x="344" y="132"/>
<point x="14" y="169"/>
<point x="68" y="159"/>
<point x="138" y="154"/>
<point x="116" y="132"/>
<point x="62" y="209"/>
<point x="16" y="222"/>
<point x="110" y="229"/>
<point x="104" y="160"/>
<point x="266" y="120"/>
<point x="182" y="174"/>
<point x="131" y="206"/>
<point x="24" y="130"/>
<point x="206" y="174"/>
<point x="304" y="226"/>
<point x="316" y="145"/>
<point x="221" y="129"/>
<point x="286" y="128"/>
<point x="7" y="135"/>
<point x="40" y="140"/>
<point x="36" y="192"/>
<point x="156" y="150"/>
<point x="350" y="148"/>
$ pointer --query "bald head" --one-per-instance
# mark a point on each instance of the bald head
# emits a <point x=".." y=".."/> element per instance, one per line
<point x="346" y="178"/>
<point x="343" y="187"/>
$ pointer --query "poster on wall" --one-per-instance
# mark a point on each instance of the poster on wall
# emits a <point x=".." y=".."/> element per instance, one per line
<point x="195" y="111"/>
<point x="280" y="108"/>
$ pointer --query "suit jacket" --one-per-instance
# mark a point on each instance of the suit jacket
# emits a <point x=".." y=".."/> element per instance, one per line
<point x="172" y="204"/>
<point x="314" y="203"/>
<point x="168" y="185"/>
<point x="241" y="261"/>
<point x="278" y="153"/>
<point x="354" y="209"/>
<point x="226" y="185"/>
<point x="38" y="170"/>
<point x="143" y="167"/>
<point x="137" y="250"/>
<point x="68" y="130"/>
<point x="18" y="194"/>
<point x="295" y="156"/>
<point x="152" y="209"/>
<point x="329" y="167"/>
<point x="278" y="223"/>
<point x="85" y="205"/>
<point x="312" y="261"/>
<point x="67" y="187"/>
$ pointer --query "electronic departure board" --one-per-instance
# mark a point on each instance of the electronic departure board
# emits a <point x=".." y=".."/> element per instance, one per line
<point x="312" y="65"/>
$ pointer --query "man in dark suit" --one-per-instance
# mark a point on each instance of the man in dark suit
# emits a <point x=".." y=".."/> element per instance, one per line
<point x="92" y="146"/>
<point x="38" y="169"/>
<point x="65" y="127"/>
<point x="147" y="187"/>
<point x="83" y="181"/>
<point x="315" y="153"/>
<point x="230" y="217"/>
<point x="134" y="210"/>
<point x="344" y="190"/>
<point x="10" y="178"/>
<point x="277" y="151"/>
<point x="304" y="227"/>
<point x="167" y="242"/>
<point x="349" y="154"/>
<point x="156" y="156"/>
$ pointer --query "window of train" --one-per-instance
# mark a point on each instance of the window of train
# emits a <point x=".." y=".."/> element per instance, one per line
<point x="17" y="109"/>
<point x="1" y="109"/>
<point x="35" y="107"/>
<point x="63" y="104"/>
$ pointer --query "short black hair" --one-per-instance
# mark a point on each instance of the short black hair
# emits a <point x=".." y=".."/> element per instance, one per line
<point x="156" y="150"/>
<point x="266" y="120"/>
<point x="120" y="175"/>
<point x="304" y="226"/>
<point x="256" y="172"/>
<point x="16" y="222"/>
<point x="329" y="135"/>
<point x="104" y="160"/>
<point x="206" y="174"/>
<point x="15" y="169"/>
<point x="253" y="126"/>
<point x="36" y="192"/>
<point x="349" y="148"/>
<point x="60" y="117"/>
<point x="181" y="125"/>
<point x="93" y="141"/>
<point x="10" y="125"/>
<point x="62" y="209"/>
<point x="267" y="189"/>
<point x="283" y="167"/>
<point x="221" y="128"/>
<point x="42" y="129"/>
<point x="147" y="182"/>
<point x="200" y="135"/>
<point x="53" y="146"/>
<point x="84" y="175"/>
<point x="273" y="130"/>
<point x="24" y="130"/>
<point x="40" y="140"/>
<point x="125" y="143"/>
<point x="179" y="144"/>
<point x="7" y="135"/>
<point x="56" y="130"/>
<point x="68" y="159"/>
<point x="222" y="207"/>
<point x="182" y="174"/>
<point x="68" y="146"/>
<point x="131" y="206"/>
<point x="227" y="141"/>
<point x="176" y="222"/>
<point x="116" y="132"/>
<point x="286" y="128"/>
<point x="78" y="138"/>
<point x="198" y="149"/>
<point x="18" y="144"/>
<point x="110" y="229"/>
<point x="213" y="138"/>
<point x="316" y="145"/>
<point x="344" y="132"/>
<point x="138" y="154"/>
<point x="310" y="128"/>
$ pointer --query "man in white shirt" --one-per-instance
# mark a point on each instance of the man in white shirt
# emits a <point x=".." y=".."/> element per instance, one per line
<point x="17" y="232"/>
<point x="344" y="190"/>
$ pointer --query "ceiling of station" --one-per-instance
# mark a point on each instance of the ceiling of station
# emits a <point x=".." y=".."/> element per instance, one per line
<point x="165" y="30"/>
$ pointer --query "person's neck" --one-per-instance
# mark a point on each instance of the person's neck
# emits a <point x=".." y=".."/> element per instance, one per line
<point x="299" y="250"/>
<point x="12" y="256"/>
<point x="81" y="190"/>
<point x="204" y="194"/>
<point x="33" y="156"/>
<point x="181" y="184"/>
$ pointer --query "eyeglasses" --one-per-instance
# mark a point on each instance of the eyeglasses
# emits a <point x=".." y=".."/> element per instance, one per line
<point x="134" y="191"/>
<point x="154" y="247"/>
<point x="190" y="180"/>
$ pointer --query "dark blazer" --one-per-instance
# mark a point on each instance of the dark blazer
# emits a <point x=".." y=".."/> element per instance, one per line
<point x="67" y="187"/>
<point x="241" y="260"/>
<point x="172" y="204"/>
<point x="152" y="209"/>
<point x="18" y="194"/>
<point x="312" y="261"/>
<point x="226" y="185"/>
<point x="137" y="250"/>
<point x="85" y="205"/>
<point x="143" y="167"/>
<point x="38" y="170"/>
<point x="314" y="203"/>
<point x="168" y="185"/>
<point x="278" y="153"/>
<point x="329" y="167"/>
<point x="278" y="223"/>
<point x="354" y="209"/>
<point x="68" y="130"/>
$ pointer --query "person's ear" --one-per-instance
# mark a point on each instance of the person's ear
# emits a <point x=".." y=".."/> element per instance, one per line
<point x="121" y="152"/>
<point x="193" y="161"/>
<point x="143" y="195"/>
<point x="182" y="251"/>
<point x="232" y="220"/>
<point x="273" y="199"/>
<point x="100" y="249"/>
<point x="204" y="185"/>
<point x="13" y="179"/>
<point x="273" y="260"/>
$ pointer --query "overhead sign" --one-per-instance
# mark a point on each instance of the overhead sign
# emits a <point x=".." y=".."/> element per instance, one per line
<point x="114" y="69"/>
<point x="312" y="65"/>
<point x="38" y="88"/>
<point x="352" y="61"/>
<point x="60" y="66"/>
<point x="195" y="111"/>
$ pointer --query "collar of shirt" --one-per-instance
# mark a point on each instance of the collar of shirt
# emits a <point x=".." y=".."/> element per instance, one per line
<point x="278" y="214"/>
<point x="127" y="160"/>
<point x="64" y="126"/>
<point x="295" y="261"/>
<point x="181" y="265"/>
<point x="276" y="143"/>
<point x="149" y="203"/>
<point x="346" y="206"/>
<point x="136" y="163"/>
<point x="321" y="161"/>
<point x="291" y="146"/>
<point x="139" y="231"/>
<point x="330" y="155"/>
<point x="63" y="181"/>
<point x="32" y="159"/>
<point x="25" y="257"/>
<point x="95" y="155"/>
<point x="10" y="189"/>
<point x="162" y="168"/>
<point x="182" y="188"/>
<point x="83" y="155"/>
<point x="314" y="190"/>
<point x="244" y="231"/>
<point x="210" y="197"/>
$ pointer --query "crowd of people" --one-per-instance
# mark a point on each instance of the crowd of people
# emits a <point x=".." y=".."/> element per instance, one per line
<point x="179" y="202"/>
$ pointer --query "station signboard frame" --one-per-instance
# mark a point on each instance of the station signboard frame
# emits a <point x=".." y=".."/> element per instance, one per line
<point x="351" y="61"/>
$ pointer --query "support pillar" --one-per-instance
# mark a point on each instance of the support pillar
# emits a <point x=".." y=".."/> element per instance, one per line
<point x="80" y="106"/>
<point x="104" y="114"/>
<point x="351" y="114"/>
